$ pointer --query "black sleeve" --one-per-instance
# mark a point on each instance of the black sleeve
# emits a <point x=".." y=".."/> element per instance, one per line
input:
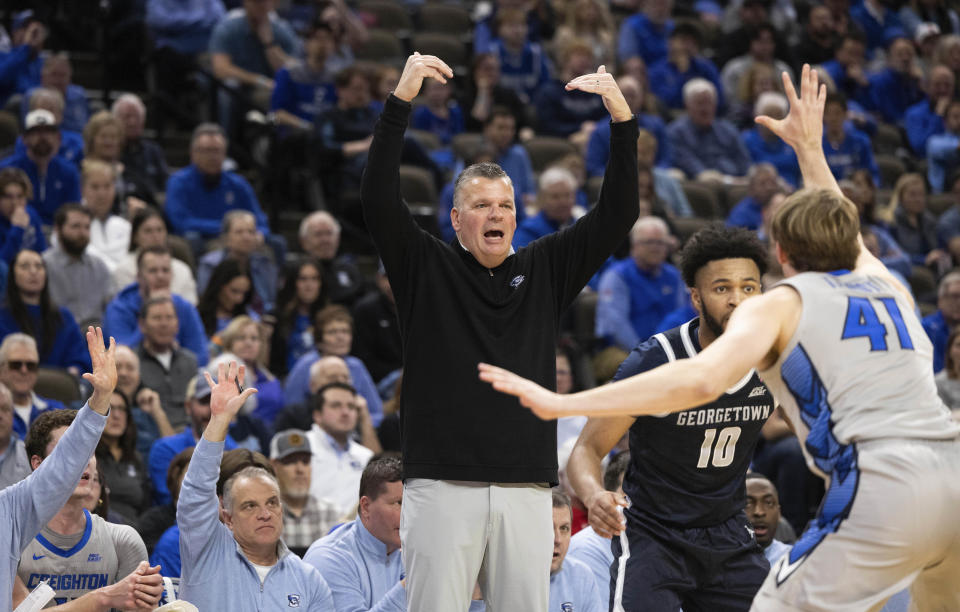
<point x="578" y="252"/>
<point x="388" y="219"/>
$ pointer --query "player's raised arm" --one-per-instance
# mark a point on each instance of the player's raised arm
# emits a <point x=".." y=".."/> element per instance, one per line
<point x="802" y="129"/>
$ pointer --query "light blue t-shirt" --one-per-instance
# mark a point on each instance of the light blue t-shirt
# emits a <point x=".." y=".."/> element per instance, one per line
<point x="574" y="589"/>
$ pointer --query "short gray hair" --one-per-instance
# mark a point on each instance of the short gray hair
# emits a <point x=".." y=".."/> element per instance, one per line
<point x="945" y="282"/>
<point x="695" y="87"/>
<point x="46" y="92"/>
<point x="486" y="170"/>
<point x="16" y="339"/>
<point x="648" y="222"/>
<point x="557" y="174"/>
<point x="771" y="98"/>
<point x="318" y="216"/>
<point x="129" y="98"/>
<point x="207" y="129"/>
<point x="232" y="216"/>
<point x="251" y="471"/>
<point x="760" y="167"/>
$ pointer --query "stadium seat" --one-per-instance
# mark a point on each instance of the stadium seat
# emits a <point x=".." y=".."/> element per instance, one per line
<point x="888" y="139"/>
<point x="688" y="226"/>
<point x="381" y="46"/>
<point x="57" y="384"/>
<point x="938" y="203"/>
<point x="448" y="47"/>
<point x="180" y="249"/>
<point x="427" y="140"/>
<point x="890" y="169"/>
<point x="584" y="318"/>
<point x="390" y="16"/>
<point x="703" y="200"/>
<point x="923" y="284"/>
<point x="544" y="150"/>
<point x="445" y="18"/>
<point x="465" y="144"/>
<point x="416" y="185"/>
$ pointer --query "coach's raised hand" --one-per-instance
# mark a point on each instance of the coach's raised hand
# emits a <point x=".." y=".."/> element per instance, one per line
<point x="417" y="68"/>
<point x="104" y="375"/>
<point x="225" y="399"/>
<point x="603" y="84"/>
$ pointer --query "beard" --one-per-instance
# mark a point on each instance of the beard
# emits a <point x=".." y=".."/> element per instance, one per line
<point x="74" y="248"/>
<point x="715" y="326"/>
<point x="41" y="149"/>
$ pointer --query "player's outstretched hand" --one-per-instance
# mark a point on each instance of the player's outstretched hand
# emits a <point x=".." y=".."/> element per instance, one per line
<point x="603" y="84"/>
<point x="603" y="512"/>
<point x="802" y="128"/>
<point x="417" y="68"/>
<point x="139" y="590"/>
<point x="103" y="379"/>
<point x="225" y="396"/>
<point x="545" y="404"/>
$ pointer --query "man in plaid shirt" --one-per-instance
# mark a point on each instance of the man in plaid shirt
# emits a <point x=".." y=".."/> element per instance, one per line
<point x="305" y="518"/>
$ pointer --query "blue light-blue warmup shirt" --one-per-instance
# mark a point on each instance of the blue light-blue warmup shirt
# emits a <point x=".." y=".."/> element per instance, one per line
<point x="30" y="504"/>
<point x="594" y="551"/>
<point x="360" y="573"/>
<point x="215" y="573"/>
<point x="575" y="589"/>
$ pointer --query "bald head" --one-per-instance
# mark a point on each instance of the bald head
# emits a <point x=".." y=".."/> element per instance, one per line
<point x="328" y="370"/>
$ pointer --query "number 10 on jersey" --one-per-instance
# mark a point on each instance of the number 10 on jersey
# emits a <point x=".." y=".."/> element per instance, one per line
<point x="724" y="450"/>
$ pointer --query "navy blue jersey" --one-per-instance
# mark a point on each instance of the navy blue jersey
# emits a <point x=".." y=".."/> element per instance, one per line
<point x="689" y="468"/>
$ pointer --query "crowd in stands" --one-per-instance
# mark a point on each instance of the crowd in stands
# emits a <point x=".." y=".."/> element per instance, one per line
<point x="224" y="224"/>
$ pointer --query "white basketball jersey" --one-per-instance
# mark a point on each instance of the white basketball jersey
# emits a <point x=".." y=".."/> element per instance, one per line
<point x="858" y="367"/>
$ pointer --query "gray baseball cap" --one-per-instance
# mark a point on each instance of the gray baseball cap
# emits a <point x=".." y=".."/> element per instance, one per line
<point x="288" y="442"/>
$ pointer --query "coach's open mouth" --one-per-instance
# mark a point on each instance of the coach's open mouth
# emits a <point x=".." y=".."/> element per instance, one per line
<point x="493" y="234"/>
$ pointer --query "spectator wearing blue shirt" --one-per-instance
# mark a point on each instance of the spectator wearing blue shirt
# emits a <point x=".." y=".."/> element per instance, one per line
<point x="846" y="148"/>
<point x="564" y="113"/>
<point x="241" y="563"/>
<point x="247" y="47"/>
<point x="572" y="585"/>
<point x="666" y="188"/>
<point x="598" y="146"/>
<point x="163" y="451"/>
<point x="439" y="115"/>
<point x="645" y="33"/>
<point x="941" y="323"/>
<point x="121" y="319"/>
<point x="524" y="65"/>
<point x="637" y="292"/>
<point x="848" y="67"/>
<point x="304" y="88"/>
<point x="762" y="185"/>
<point x="764" y="146"/>
<point x="54" y="180"/>
<point x="20" y="226"/>
<point x="701" y="142"/>
<point x="361" y="560"/>
<point x="557" y="201"/>
<point x="925" y="118"/>
<point x="879" y="23"/>
<point x="19" y="361"/>
<point x="897" y="87"/>
<point x="763" y="512"/>
<point x="201" y="194"/>
<point x="943" y="150"/>
<point x="71" y="143"/>
<point x="57" y="74"/>
<point x="683" y="64"/>
<point x="28" y="308"/>
<point x="20" y="66"/>
<point x="241" y="240"/>
<point x="333" y="335"/>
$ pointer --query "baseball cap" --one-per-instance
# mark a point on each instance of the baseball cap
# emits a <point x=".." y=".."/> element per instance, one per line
<point x="288" y="442"/>
<point x="926" y="30"/>
<point x="198" y="387"/>
<point x="40" y="118"/>
<point x="22" y="19"/>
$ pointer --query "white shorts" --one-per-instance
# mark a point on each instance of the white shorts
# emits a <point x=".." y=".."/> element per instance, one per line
<point x="902" y="528"/>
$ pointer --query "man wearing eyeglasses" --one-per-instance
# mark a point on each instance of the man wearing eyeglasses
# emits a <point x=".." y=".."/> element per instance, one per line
<point x="638" y="291"/>
<point x="19" y="362"/>
<point x="939" y="324"/>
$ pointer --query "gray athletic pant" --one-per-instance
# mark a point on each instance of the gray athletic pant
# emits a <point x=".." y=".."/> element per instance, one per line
<point x="456" y="533"/>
